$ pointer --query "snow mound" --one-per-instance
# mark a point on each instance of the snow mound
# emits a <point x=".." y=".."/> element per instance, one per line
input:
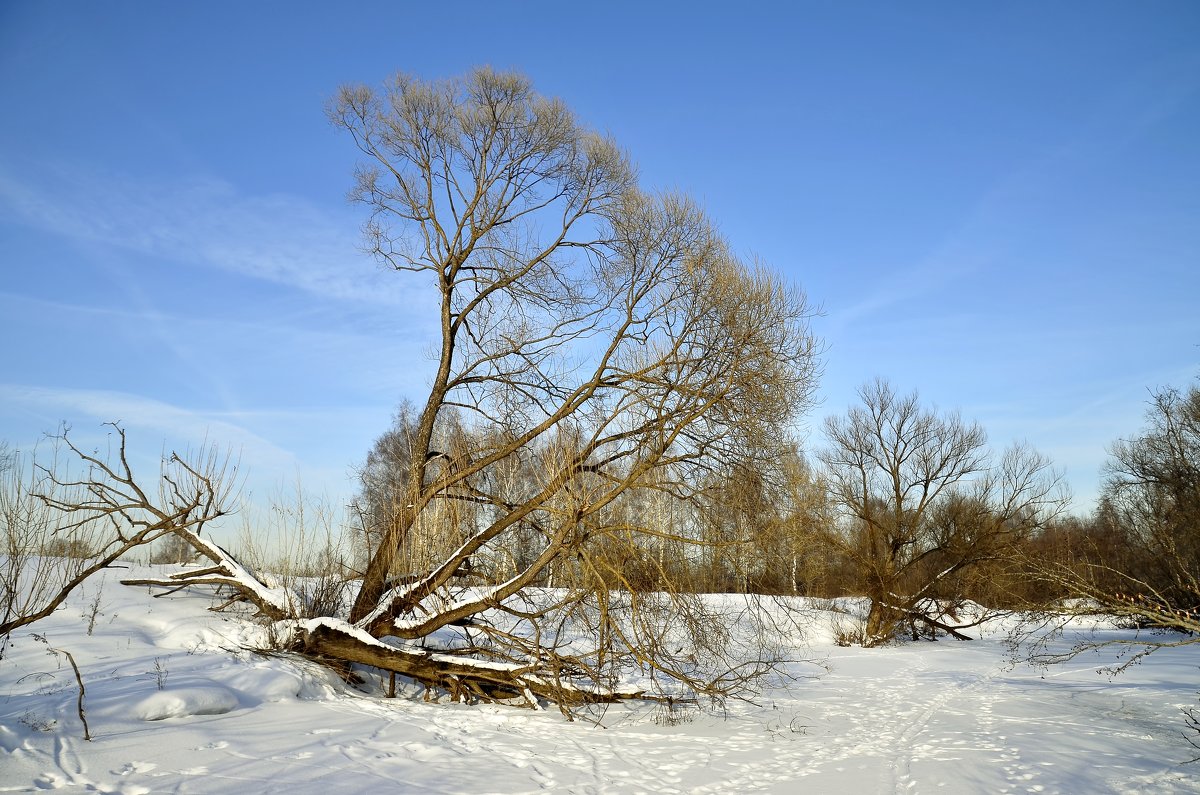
<point x="266" y="683"/>
<point x="183" y="702"/>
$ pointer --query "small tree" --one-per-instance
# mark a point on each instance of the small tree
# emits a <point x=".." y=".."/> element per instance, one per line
<point x="46" y="508"/>
<point x="762" y="524"/>
<point x="922" y="500"/>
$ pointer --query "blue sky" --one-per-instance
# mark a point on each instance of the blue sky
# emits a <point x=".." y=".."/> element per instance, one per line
<point x="997" y="205"/>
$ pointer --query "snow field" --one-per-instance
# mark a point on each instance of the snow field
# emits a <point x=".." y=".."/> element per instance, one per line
<point x="176" y="704"/>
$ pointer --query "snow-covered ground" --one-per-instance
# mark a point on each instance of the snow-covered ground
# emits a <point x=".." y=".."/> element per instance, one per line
<point x="175" y="704"/>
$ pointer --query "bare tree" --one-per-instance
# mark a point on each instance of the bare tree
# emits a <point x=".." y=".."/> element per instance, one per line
<point x="1138" y="560"/>
<point x="595" y="338"/>
<point x="791" y="558"/>
<point x="1153" y="496"/>
<point x="1146" y="567"/>
<point x="922" y="500"/>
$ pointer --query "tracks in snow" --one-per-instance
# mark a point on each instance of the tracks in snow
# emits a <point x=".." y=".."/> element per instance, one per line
<point x="896" y="720"/>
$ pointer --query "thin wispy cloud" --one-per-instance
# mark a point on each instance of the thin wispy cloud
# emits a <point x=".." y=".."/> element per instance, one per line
<point x="984" y="234"/>
<point x="150" y="420"/>
<point x="277" y="238"/>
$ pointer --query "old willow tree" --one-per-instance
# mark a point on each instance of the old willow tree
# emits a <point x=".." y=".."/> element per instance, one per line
<point x="595" y="342"/>
<point x="601" y="359"/>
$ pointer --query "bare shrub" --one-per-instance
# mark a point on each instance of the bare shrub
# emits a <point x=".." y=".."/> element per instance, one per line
<point x="299" y="545"/>
<point x="849" y="632"/>
<point x="43" y="549"/>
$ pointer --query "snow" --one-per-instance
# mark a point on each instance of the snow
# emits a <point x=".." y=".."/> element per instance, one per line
<point x="182" y="702"/>
<point x="176" y="703"/>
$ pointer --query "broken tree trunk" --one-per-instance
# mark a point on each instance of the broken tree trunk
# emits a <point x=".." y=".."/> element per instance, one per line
<point x="273" y="603"/>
